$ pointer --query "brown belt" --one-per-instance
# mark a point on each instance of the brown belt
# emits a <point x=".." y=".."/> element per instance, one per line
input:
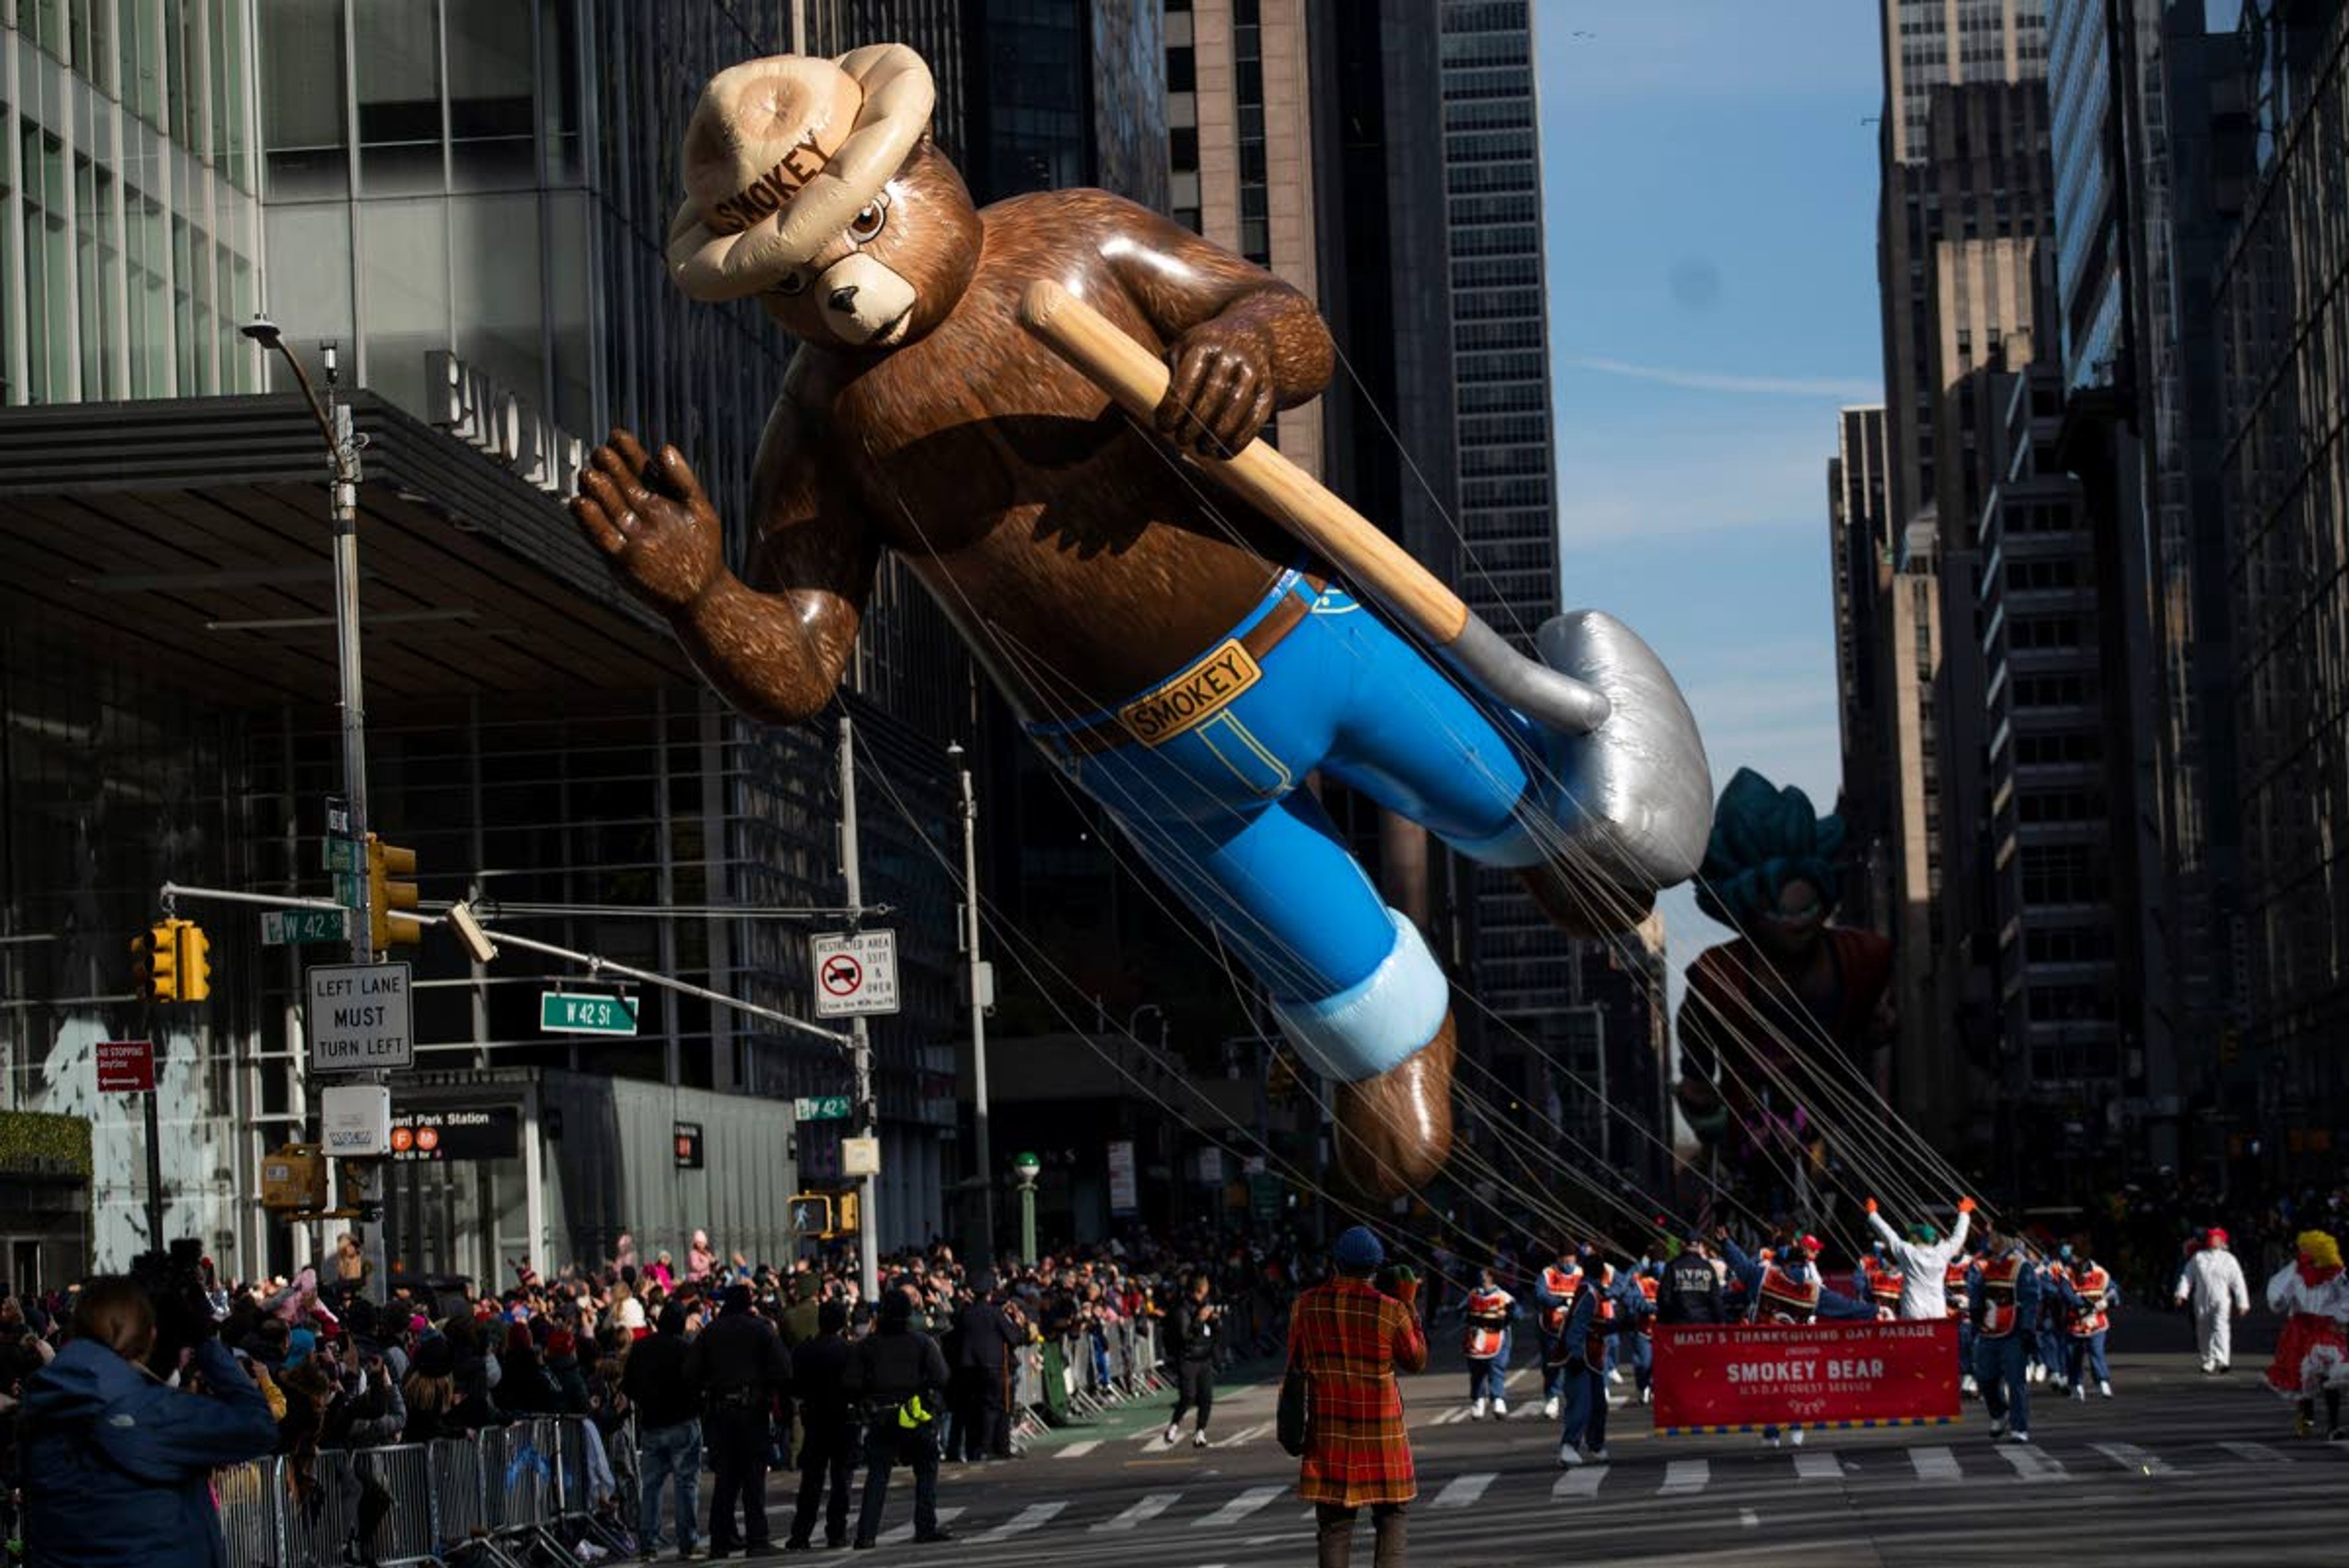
<point x="1199" y="690"/>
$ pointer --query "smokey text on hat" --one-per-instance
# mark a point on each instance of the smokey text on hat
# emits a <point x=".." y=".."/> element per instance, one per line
<point x="771" y="192"/>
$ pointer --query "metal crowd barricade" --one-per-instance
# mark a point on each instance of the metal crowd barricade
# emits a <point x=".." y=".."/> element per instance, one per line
<point x="410" y="1531"/>
<point x="251" y="1498"/>
<point x="322" y="1518"/>
<point x="454" y="1465"/>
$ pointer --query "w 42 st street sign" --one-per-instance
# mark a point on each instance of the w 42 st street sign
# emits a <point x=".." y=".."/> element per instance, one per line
<point x="561" y="1013"/>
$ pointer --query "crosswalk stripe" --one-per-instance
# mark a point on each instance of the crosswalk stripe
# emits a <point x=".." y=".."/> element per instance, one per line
<point x="1035" y="1516"/>
<point x="1682" y="1476"/>
<point x="905" y="1532"/>
<point x="1244" y="1434"/>
<point x="1240" y="1507"/>
<point x="1749" y="1519"/>
<point x="1809" y="1466"/>
<point x="1520" y="1375"/>
<point x="1142" y="1513"/>
<point x="1578" y="1483"/>
<point x="2258" y="1453"/>
<point x="1462" y="1491"/>
<point x="1079" y="1450"/>
<point x="2129" y="1457"/>
<point x="2030" y="1464"/>
<point x="1457" y="1413"/>
<point x="1935" y="1465"/>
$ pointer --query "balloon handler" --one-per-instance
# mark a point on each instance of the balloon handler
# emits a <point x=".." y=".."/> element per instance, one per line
<point x="1180" y="644"/>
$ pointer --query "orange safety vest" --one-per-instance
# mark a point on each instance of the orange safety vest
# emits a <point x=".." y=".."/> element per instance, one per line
<point x="1561" y="1283"/>
<point x="2089" y="1319"/>
<point x="1883" y="1288"/>
<point x="1998" y="1279"/>
<point x="1649" y="1285"/>
<point x="1783" y="1299"/>
<point x="1488" y="1322"/>
<point x="1954" y="1290"/>
<point x="1602" y="1316"/>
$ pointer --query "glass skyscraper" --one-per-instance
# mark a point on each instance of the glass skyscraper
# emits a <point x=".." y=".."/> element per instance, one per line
<point x="132" y="238"/>
<point x="1522" y="968"/>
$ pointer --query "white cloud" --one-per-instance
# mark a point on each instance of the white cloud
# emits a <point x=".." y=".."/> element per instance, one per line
<point x="1856" y="390"/>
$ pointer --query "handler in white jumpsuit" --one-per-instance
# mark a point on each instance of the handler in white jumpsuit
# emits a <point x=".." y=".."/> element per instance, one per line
<point x="1923" y="1264"/>
<point x="2213" y="1285"/>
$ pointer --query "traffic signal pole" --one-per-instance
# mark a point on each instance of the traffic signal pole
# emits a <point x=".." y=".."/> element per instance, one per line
<point x="374" y="1244"/>
<point x="860" y="1045"/>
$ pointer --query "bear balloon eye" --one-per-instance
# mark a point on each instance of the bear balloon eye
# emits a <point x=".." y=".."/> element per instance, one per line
<point x="792" y="284"/>
<point x="867" y="223"/>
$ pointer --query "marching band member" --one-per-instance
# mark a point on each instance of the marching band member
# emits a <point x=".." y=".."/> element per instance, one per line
<point x="1597" y="1316"/>
<point x="1878" y="1280"/>
<point x="1789" y="1288"/>
<point x="1648" y="1280"/>
<point x="1554" y="1293"/>
<point x="2089" y="1295"/>
<point x="1489" y="1313"/>
<point x="2050" y="1344"/>
<point x="2006" y="1288"/>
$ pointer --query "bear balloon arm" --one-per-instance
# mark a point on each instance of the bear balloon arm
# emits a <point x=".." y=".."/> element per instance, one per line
<point x="777" y="646"/>
<point x="1240" y="343"/>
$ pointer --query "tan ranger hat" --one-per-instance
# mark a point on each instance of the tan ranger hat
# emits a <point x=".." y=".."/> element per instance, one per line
<point x="782" y="153"/>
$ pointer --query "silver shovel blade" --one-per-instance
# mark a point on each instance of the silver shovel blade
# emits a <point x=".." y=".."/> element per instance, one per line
<point x="1638" y="788"/>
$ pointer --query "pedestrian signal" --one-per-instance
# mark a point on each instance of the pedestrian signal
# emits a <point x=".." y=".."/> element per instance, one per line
<point x="810" y="1214"/>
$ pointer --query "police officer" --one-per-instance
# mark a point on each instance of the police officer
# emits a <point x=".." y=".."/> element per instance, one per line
<point x="985" y="1342"/>
<point x="1690" y="1289"/>
<point x="899" y="1376"/>
<point x="739" y="1365"/>
<point x="819" y="1374"/>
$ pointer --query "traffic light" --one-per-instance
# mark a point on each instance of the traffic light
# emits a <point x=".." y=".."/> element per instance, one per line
<point x="155" y="961"/>
<point x="385" y="861"/>
<point x="196" y="963"/>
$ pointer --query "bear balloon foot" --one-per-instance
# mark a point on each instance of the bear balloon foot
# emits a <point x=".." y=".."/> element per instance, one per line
<point x="1394" y="1131"/>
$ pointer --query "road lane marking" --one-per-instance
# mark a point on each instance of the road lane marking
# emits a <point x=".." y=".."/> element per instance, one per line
<point x="1935" y="1465"/>
<point x="1142" y="1513"/>
<point x="1462" y="1491"/>
<point x="1244" y="1434"/>
<point x="1079" y="1450"/>
<point x="905" y="1532"/>
<point x="1239" y="1508"/>
<point x="1520" y="1375"/>
<point x="1578" y="1483"/>
<point x="2129" y="1457"/>
<point x="1749" y="1519"/>
<point x="2258" y="1453"/>
<point x="2030" y="1464"/>
<point x="1683" y="1475"/>
<point x="1035" y="1516"/>
<point x="1809" y="1466"/>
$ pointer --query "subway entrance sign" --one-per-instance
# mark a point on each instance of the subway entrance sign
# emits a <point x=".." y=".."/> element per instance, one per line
<point x="562" y="1012"/>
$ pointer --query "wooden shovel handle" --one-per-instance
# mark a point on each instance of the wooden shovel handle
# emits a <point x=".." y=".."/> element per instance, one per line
<point x="1136" y="380"/>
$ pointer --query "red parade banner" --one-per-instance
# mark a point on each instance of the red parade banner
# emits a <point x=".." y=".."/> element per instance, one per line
<point x="1740" y="1378"/>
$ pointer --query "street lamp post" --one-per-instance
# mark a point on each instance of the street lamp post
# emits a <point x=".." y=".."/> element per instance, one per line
<point x="1025" y="1167"/>
<point x="981" y="977"/>
<point x="334" y="417"/>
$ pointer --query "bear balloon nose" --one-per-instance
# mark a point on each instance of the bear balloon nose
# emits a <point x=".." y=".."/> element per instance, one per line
<point x="843" y="298"/>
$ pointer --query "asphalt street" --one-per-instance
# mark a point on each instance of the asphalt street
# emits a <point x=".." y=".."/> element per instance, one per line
<point x="2179" y="1468"/>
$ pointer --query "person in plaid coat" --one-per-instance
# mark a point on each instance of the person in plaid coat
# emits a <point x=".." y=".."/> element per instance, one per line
<point x="1350" y="1340"/>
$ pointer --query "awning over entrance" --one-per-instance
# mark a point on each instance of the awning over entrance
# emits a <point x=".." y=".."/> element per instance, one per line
<point x="192" y="536"/>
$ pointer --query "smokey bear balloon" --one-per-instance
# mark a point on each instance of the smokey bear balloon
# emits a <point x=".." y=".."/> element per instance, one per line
<point x="1175" y="652"/>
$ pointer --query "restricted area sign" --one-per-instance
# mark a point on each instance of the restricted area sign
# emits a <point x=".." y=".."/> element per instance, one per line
<point x="126" y="1066"/>
<point x="856" y="976"/>
<point x="359" y="1017"/>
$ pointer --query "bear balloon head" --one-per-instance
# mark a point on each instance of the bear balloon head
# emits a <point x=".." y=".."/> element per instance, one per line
<point x="813" y="186"/>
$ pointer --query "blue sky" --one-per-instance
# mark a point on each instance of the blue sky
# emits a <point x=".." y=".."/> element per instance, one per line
<point x="1710" y="189"/>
